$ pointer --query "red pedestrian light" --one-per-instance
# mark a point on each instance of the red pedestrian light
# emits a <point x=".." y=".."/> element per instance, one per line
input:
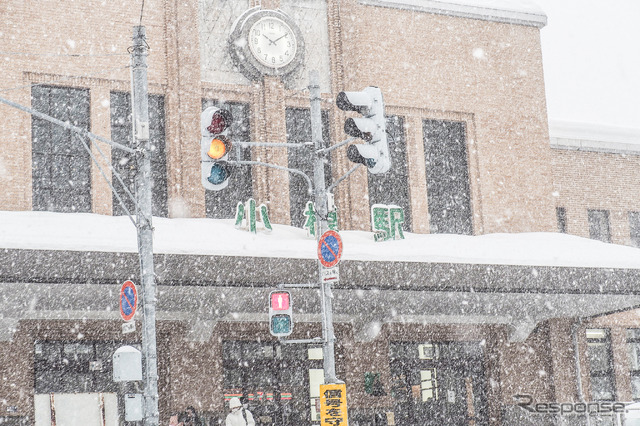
<point x="280" y="301"/>
<point x="280" y="313"/>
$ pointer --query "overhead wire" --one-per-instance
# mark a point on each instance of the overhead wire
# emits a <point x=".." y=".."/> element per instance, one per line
<point x="62" y="54"/>
<point x="85" y="145"/>
<point x="141" y="12"/>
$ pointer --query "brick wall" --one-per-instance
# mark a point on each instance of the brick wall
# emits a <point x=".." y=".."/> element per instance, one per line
<point x="486" y="74"/>
<point x="596" y="180"/>
<point x="489" y="70"/>
<point x="41" y="40"/>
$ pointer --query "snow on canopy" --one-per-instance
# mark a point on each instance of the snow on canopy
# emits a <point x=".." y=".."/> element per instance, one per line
<point x="93" y="232"/>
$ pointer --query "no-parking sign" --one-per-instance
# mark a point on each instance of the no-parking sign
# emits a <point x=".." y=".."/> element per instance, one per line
<point x="128" y="300"/>
<point x="330" y="249"/>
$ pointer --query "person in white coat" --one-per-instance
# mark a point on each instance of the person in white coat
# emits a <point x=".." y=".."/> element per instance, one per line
<point x="239" y="416"/>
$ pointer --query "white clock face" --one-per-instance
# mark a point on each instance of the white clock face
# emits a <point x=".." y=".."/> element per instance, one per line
<point x="272" y="42"/>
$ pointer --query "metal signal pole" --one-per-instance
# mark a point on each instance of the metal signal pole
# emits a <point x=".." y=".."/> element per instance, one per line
<point x="140" y="106"/>
<point x="328" y="348"/>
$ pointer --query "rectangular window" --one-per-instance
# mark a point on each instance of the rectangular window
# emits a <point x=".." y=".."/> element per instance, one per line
<point x="428" y="384"/>
<point x="600" y="364"/>
<point x="393" y="187"/>
<point x="634" y="228"/>
<point x="69" y="367"/>
<point x="299" y="131"/>
<point x="222" y="204"/>
<point x="599" y="225"/>
<point x="125" y="163"/>
<point x="448" y="194"/>
<point x="633" y="345"/>
<point x="561" y="216"/>
<point x="61" y="165"/>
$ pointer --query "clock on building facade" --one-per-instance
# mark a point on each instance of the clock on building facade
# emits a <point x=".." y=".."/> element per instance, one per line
<point x="266" y="42"/>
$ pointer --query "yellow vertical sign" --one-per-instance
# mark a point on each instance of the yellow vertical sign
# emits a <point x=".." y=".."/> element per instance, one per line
<point x="333" y="405"/>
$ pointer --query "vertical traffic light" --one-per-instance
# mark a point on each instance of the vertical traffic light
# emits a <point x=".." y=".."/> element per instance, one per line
<point x="371" y="128"/>
<point x="215" y="145"/>
<point x="280" y="319"/>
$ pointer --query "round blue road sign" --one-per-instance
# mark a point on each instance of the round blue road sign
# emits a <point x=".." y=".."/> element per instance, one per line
<point x="128" y="300"/>
<point x="330" y="249"/>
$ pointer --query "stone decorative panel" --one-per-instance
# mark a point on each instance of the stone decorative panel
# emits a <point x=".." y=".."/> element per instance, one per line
<point x="217" y="18"/>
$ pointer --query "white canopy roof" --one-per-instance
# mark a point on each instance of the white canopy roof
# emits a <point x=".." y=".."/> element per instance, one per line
<point x="92" y="232"/>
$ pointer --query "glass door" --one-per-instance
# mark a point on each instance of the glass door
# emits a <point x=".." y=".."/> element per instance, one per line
<point x="272" y="379"/>
<point x="438" y="383"/>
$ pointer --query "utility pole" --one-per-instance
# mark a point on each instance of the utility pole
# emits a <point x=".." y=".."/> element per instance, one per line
<point x="328" y="348"/>
<point x="140" y="107"/>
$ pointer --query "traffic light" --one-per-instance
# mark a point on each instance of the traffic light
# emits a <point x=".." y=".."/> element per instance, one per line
<point x="214" y="148"/>
<point x="371" y="128"/>
<point x="280" y="320"/>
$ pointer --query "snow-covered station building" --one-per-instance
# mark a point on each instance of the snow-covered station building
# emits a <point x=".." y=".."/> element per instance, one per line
<point x="513" y="290"/>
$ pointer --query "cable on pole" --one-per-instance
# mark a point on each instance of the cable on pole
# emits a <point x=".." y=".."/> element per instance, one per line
<point x="141" y="12"/>
<point x="93" y="157"/>
<point x="67" y="126"/>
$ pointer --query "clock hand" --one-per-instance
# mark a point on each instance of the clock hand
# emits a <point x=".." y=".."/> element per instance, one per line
<point x="270" y="41"/>
<point x="274" y="42"/>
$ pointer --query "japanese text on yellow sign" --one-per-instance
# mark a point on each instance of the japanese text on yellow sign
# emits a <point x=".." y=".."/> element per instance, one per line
<point x="333" y="405"/>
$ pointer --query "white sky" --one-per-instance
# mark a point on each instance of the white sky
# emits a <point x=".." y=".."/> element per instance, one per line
<point x="92" y="232"/>
<point x="591" y="54"/>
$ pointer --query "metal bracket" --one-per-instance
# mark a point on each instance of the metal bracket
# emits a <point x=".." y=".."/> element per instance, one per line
<point x="274" y="166"/>
<point x="346" y="175"/>
<point x="315" y="340"/>
<point x="142" y="130"/>
<point x="274" y="144"/>
<point x="336" y="146"/>
<point x="298" y="285"/>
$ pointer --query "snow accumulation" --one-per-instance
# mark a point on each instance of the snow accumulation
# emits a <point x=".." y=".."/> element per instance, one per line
<point x="93" y="232"/>
<point x="594" y="132"/>
<point x="523" y="12"/>
<point x="525" y="6"/>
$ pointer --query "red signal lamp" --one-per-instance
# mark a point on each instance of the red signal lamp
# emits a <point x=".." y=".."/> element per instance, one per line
<point x="220" y="120"/>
